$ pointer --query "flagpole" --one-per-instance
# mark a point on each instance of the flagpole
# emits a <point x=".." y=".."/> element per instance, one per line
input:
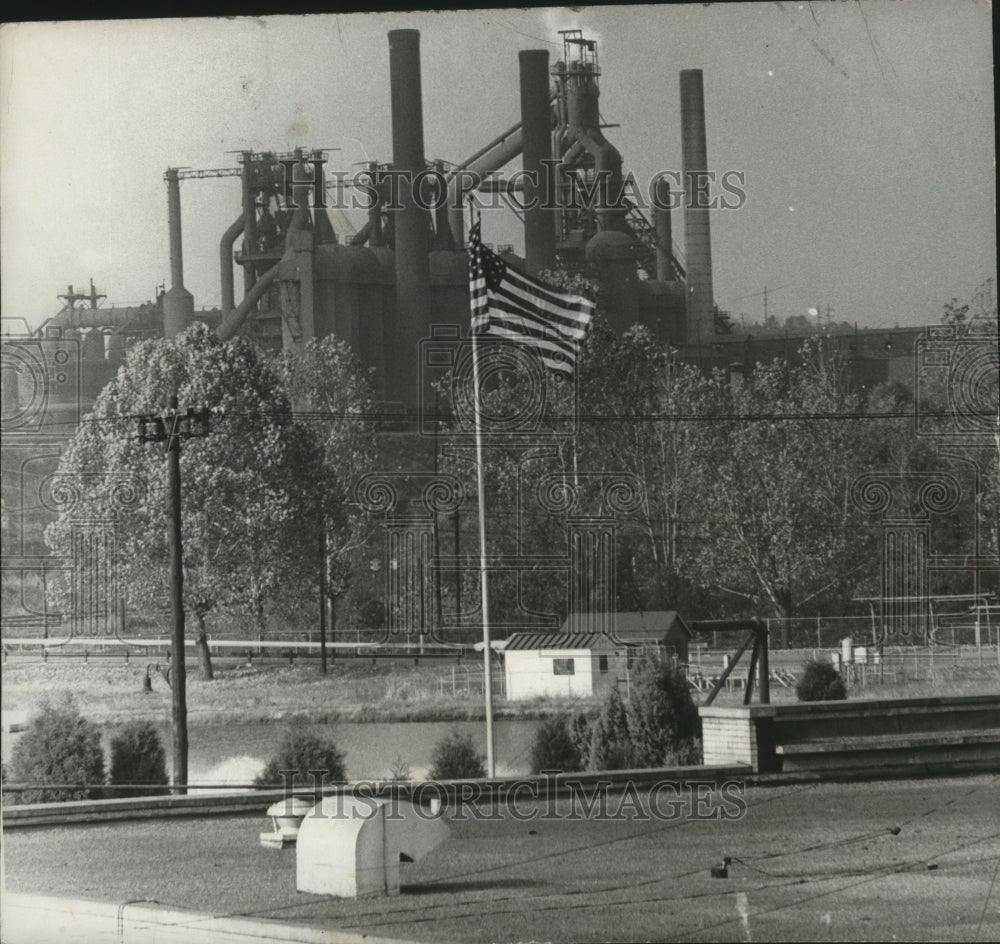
<point x="483" y="582"/>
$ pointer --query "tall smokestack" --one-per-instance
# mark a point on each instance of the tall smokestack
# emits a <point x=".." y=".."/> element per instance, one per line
<point x="698" y="242"/>
<point x="536" y="136"/>
<point x="178" y="302"/>
<point x="411" y="223"/>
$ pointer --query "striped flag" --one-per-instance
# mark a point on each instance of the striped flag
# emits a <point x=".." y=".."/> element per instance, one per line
<point x="509" y="304"/>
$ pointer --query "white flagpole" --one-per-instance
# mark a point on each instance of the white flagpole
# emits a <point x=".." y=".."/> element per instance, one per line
<point x="483" y="583"/>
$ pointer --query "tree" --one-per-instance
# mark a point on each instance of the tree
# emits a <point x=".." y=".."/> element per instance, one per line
<point x="330" y="392"/>
<point x="662" y="718"/>
<point x="249" y="488"/>
<point x="311" y="759"/>
<point x="820" y="682"/>
<point x="768" y="482"/>
<point x="137" y="757"/>
<point x="456" y="758"/>
<point x="554" y="747"/>
<point x="610" y="744"/>
<point x="62" y="748"/>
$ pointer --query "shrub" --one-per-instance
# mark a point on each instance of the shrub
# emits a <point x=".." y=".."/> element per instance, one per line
<point x="662" y="718"/>
<point x="456" y="758"/>
<point x="301" y="751"/>
<point x="137" y="757"/>
<point x="59" y="746"/>
<point x="610" y="747"/>
<point x="820" y="682"/>
<point x="554" y="747"/>
<point x="581" y="733"/>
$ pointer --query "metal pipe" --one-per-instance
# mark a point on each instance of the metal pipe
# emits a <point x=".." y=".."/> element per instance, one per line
<point x="249" y="220"/>
<point x="411" y="223"/>
<point x="697" y="238"/>
<point x="536" y="135"/>
<point x="226" y="264"/>
<point x="232" y="321"/>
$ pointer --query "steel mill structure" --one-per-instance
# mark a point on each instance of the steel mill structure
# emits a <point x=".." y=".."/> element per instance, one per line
<point x="378" y="288"/>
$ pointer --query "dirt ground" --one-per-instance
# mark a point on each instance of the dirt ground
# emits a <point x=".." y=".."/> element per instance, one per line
<point x="911" y="861"/>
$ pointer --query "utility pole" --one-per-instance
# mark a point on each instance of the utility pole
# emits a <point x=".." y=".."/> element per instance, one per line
<point x="322" y="594"/>
<point x="170" y="428"/>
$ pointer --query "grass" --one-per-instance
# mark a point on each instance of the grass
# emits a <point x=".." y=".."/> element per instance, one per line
<point x="356" y="690"/>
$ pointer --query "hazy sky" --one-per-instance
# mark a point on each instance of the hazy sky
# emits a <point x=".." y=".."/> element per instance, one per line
<point x="864" y="129"/>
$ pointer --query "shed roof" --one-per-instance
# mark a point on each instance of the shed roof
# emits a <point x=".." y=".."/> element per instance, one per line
<point x="557" y="641"/>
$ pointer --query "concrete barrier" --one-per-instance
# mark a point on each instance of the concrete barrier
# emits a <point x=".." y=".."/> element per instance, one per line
<point x="353" y="846"/>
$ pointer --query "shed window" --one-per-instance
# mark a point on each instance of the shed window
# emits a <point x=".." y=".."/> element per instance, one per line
<point x="602" y="664"/>
<point x="563" y="667"/>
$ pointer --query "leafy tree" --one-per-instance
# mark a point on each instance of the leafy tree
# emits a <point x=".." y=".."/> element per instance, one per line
<point x="768" y="493"/>
<point x="249" y="488"/>
<point x="137" y="757"/>
<point x="302" y="751"/>
<point x="62" y="748"/>
<point x="455" y="758"/>
<point x="662" y="718"/>
<point x="330" y="392"/>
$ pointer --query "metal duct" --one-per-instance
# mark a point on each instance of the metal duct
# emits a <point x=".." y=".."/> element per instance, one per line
<point x="697" y="238"/>
<point x="536" y="135"/>
<point x="412" y="222"/>
<point x="488" y="159"/>
<point x="232" y="321"/>
<point x="500" y="151"/>
<point x="226" y="264"/>
<point x="178" y="302"/>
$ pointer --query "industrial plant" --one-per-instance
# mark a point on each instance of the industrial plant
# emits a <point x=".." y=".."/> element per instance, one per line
<point x="382" y="288"/>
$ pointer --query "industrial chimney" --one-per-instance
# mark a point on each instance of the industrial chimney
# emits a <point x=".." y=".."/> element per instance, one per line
<point x="178" y="302"/>
<point x="700" y="321"/>
<point x="412" y="222"/>
<point x="536" y="135"/>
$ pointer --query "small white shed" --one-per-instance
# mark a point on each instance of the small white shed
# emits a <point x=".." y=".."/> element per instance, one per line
<point x="577" y="664"/>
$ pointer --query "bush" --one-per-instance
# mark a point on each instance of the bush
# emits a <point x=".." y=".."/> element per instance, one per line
<point x="137" y="757"/>
<point x="610" y="746"/>
<point x="581" y="733"/>
<point x="820" y="682"/>
<point x="554" y="747"/>
<point x="662" y="718"/>
<point x="302" y="751"/>
<point x="456" y="758"/>
<point x="59" y="746"/>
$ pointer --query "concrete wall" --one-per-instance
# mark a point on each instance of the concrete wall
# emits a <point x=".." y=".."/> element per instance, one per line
<point x="962" y="731"/>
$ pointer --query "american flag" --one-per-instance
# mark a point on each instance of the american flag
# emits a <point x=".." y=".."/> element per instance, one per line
<point x="509" y="304"/>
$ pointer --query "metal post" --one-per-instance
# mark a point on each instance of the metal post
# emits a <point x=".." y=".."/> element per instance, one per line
<point x="763" y="665"/>
<point x="178" y="679"/>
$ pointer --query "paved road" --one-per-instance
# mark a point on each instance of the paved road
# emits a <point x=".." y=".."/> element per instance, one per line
<point x="912" y="861"/>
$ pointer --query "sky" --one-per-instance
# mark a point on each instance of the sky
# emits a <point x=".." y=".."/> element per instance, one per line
<point x="865" y="131"/>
